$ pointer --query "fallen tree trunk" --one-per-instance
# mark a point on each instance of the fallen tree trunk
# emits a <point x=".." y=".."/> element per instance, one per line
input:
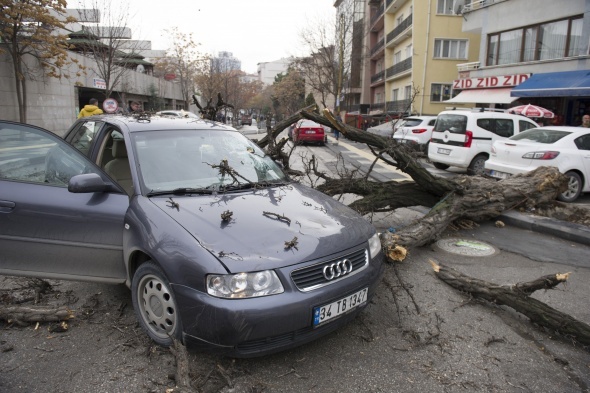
<point x="471" y="197"/>
<point x="518" y="297"/>
<point x="35" y="313"/>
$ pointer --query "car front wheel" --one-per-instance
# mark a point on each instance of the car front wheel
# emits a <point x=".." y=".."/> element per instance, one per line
<point x="574" y="188"/>
<point x="155" y="305"/>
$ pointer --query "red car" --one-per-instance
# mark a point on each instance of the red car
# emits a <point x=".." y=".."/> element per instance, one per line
<point x="308" y="131"/>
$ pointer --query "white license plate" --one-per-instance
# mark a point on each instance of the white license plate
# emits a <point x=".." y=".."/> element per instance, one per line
<point x="444" y="151"/>
<point x="310" y="132"/>
<point x="330" y="311"/>
<point x="499" y="175"/>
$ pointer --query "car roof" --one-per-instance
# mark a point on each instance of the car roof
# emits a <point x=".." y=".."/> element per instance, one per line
<point x="420" y="117"/>
<point x="147" y="122"/>
<point x="578" y="130"/>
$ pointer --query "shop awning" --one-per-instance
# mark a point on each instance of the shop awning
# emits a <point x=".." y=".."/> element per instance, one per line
<point x="555" y="84"/>
<point x="483" y="96"/>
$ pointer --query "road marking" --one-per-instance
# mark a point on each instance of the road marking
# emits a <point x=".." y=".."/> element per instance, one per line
<point x="371" y="158"/>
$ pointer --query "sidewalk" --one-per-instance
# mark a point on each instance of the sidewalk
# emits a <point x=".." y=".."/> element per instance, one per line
<point x="383" y="172"/>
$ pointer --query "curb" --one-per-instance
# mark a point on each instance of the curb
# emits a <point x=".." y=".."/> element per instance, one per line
<point x="548" y="226"/>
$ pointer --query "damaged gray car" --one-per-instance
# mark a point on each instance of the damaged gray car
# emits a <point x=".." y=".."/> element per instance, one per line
<point x="220" y="248"/>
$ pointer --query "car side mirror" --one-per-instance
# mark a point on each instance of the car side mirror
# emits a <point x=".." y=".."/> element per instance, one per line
<point x="88" y="182"/>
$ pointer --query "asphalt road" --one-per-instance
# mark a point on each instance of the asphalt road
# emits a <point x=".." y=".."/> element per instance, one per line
<point x="418" y="333"/>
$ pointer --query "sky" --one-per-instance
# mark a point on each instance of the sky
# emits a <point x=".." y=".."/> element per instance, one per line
<point x="253" y="30"/>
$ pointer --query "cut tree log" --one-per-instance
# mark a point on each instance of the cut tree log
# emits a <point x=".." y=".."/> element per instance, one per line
<point x="518" y="297"/>
<point x="22" y="314"/>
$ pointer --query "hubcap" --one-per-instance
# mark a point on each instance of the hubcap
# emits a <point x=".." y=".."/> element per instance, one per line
<point x="572" y="188"/>
<point x="157" y="306"/>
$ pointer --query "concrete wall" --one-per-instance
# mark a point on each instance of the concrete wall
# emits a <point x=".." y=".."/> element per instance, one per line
<point x="53" y="103"/>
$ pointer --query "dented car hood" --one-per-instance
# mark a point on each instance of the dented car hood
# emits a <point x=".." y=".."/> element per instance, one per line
<point x="259" y="225"/>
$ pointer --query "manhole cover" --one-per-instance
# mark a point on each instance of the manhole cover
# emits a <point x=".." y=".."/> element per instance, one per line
<point x="472" y="248"/>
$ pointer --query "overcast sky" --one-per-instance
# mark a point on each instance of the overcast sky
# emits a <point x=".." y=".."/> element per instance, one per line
<point x="253" y="30"/>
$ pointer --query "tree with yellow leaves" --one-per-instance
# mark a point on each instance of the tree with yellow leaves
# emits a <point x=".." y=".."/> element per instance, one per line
<point x="30" y="34"/>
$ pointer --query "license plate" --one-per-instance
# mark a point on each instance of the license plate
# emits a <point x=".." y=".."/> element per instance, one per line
<point x="444" y="151"/>
<point x="310" y="132"/>
<point x="499" y="175"/>
<point x="330" y="311"/>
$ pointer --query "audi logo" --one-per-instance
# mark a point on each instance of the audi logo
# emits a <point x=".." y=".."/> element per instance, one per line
<point x="337" y="269"/>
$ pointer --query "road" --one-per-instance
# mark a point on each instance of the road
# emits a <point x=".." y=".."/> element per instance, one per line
<point x="418" y="334"/>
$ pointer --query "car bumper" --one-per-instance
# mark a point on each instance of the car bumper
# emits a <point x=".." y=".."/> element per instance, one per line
<point x="450" y="155"/>
<point x="264" y="325"/>
<point x="311" y="138"/>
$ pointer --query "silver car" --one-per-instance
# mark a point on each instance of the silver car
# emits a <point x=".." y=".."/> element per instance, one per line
<point x="219" y="247"/>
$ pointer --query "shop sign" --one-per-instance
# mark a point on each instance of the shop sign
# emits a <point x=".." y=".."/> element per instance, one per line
<point x="490" y="81"/>
<point x="99" y="83"/>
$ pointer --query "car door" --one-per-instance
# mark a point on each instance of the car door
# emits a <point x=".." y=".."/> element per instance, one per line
<point x="45" y="230"/>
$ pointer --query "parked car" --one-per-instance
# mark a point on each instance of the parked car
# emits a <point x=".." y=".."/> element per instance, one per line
<point x="566" y="148"/>
<point x="246" y="120"/>
<point x="416" y="131"/>
<point x="386" y="129"/>
<point x="180" y="113"/>
<point x="168" y="206"/>
<point x="463" y="138"/>
<point x="308" y="131"/>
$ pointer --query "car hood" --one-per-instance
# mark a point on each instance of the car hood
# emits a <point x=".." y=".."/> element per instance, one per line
<point x="263" y="221"/>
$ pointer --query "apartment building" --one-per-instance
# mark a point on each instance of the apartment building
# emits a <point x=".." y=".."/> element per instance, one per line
<point x="413" y="49"/>
<point x="530" y="53"/>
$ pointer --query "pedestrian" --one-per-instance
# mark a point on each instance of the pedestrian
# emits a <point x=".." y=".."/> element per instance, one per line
<point x="585" y="121"/>
<point x="134" y="107"/>
<point x="335" y="130"/>
<point x="90" y="109"/>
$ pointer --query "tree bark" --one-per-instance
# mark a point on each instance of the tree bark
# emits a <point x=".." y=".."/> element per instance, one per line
<point x="35" y="313"/>
<point x="518" y="297"/>
<point x="472" y="197"/>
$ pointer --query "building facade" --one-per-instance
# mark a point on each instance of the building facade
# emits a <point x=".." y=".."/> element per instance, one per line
<point x="529" y="54"/>
<point x="224" y="62"/>
<point x="413" y="50"/>
<point x="268" y="70"/>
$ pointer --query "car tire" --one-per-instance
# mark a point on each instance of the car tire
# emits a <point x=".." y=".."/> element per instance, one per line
<point x="477" y="165"/>
<point x="155" y="305"/>
<point x="439" y="165"/>
<point x="574" y="188"/>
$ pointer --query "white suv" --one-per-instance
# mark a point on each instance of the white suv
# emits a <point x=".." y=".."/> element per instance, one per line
<point x="463" y="138"/>
<point x="416" y="131"/>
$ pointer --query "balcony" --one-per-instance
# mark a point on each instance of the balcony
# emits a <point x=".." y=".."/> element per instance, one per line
<point x="399" y="68"/>
<point x="378" y="77"/>
<point x="378" y="48"/>
<point x="399" y="106"/>
<point x="395" y="35"/>
<point x="478" y="4"/>
<point x="378" y="106"/>
<point x="468" y="66"/>
<point x="392" y="6"/>
<point x="377" y="20"/>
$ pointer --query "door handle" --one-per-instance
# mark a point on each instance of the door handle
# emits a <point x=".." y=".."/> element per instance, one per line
<point x="6" y="206"/>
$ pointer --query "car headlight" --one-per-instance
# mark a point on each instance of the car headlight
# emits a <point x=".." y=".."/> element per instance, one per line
<point x="244" y="285"/>
<point x="374" y="245"/>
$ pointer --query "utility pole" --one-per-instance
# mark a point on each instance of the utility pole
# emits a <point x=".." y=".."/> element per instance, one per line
<point x="341" y="65"/>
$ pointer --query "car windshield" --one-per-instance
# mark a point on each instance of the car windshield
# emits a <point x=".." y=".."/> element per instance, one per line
<point x="309" y="123"/>
<point x="540" y="135"/>
<point x="199" y="160"/>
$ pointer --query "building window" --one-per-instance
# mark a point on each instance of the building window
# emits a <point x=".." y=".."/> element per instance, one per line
<point x="399" y="20"/>
<point x="440" y="92"/>
<point x="545" y="41"/>
<point x="395" y="95"/>
<point x="409" y="52"/>
<point x="378" y="98"/>
<point x="450" y="49"/>
<point x="397" y="57"/>
<point x="445" y="7"/>
<point x="408" y="92"/>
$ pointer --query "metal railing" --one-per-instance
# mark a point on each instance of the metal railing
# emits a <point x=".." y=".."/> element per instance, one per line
<point x="377" y="77"/>
<point x="378" y="46"/>
<point x="468" y="66"/>
<point x="400" y="28"/>
<point x="398" y="68"/>
<point x="478" y="4"/>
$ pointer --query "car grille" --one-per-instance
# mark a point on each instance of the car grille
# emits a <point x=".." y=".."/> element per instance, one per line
<point x="312" y="277"/>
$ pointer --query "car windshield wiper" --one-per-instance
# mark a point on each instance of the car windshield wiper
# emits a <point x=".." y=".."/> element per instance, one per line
<point x="182" y="191"/>
<point x="247" y="186"/>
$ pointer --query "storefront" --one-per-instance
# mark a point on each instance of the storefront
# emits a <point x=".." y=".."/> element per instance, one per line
<point x="566" y="93"/>
<point x="488" y="91"/>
